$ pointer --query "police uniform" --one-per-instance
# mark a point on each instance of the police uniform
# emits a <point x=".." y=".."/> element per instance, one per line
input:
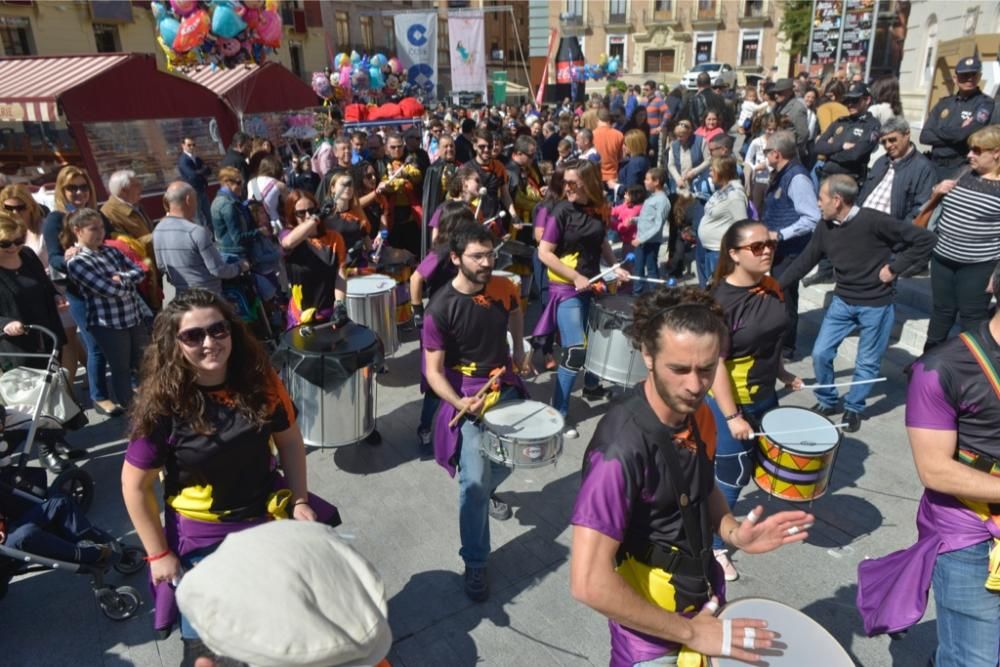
<point x="862" y="130"/>
<point x="952" y="120"/>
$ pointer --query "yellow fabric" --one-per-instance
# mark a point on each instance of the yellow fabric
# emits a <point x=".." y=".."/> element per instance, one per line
<point x="689" y="658"/>
<point x="739" y="371"/>
<point x="194" y="502"/>
<point x="569" y="260"/>
<point x="982" y="510"/>
<point x="491" y="398"/>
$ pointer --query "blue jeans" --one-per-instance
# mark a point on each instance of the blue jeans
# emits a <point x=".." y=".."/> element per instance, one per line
<point x="478" y="477"/>
<point x="646" y="265"/>
<point x="874" y="324"/>
<point x="187" y="562"/>
<point x="427" y="410"/>
<point x="571" y="318"/>
<point x="734" y="458"/>
<point x="53" y="528"/>
<point x="123" y="350"/>
<point x="97" y="367"/>
<point x="204" y="209"/>
<point x="705" y="261"/>
<point x="968" y="615"/>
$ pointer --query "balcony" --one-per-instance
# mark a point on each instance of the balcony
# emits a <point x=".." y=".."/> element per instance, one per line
<point x="755" y="14"/>
<point x="670" y="18"/>
<point x="707" y="16"/>
<point x="574" y="24"/>
<point x="618" y="23"/>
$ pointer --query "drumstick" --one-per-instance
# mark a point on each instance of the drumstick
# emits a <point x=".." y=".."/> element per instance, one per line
<point x="482" y="193"/>
<point x="625" y="260"/>
<point x="843" y="384"/>
<point x="496" y="372"/>
<point x="768" y="434"/>
<point x="498" y="216"/>
<point x="658" y="281"/>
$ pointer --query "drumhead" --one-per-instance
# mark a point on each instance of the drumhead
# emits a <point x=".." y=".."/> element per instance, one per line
<point x="375" y="283"/>
<point x="821" y="437"/>
<point x="526" y="420"/>
<point x="619" y="304"/>
<point x="806" y="641"/>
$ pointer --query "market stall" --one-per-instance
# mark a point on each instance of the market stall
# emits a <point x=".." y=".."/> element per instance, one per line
<point x="104" y="112"/>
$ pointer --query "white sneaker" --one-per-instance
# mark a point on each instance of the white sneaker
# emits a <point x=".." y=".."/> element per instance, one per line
<point x="728" y="569"/>
<point x="571" y="433"/>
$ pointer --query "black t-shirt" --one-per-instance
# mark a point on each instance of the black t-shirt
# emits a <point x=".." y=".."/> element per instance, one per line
<point x="756" y="320"/>
<point x="578" y="235"/>
<point x="312" y="270"/>
<point x="348" y="226"/>
<point x="470" y="328"/>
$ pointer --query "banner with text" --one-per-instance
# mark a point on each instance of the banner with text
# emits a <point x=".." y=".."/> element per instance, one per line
<point x="416" y="43"/>
<point x="468" y="53"/>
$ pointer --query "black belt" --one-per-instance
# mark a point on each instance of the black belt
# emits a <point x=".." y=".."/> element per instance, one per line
<point x="673" y="561"/>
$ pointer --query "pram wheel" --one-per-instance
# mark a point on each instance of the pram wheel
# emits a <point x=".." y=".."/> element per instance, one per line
<point x="120" y="603"/>
<point x="77" y="484"/>
<point x="131" y="560"/>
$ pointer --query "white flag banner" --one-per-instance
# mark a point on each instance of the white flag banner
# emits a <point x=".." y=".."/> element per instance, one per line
<point x="467" y="49"/>
<point x="416" y="42"/>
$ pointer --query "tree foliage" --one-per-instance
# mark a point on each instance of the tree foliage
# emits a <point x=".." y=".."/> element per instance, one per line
<point x="794" y="26"/>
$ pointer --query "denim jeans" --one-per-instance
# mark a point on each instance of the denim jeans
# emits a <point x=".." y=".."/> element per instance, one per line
<point x="968" y="615"/>
<point x="123" y="350"/>
<point x="97" y="366"/>
<point x="478" y="477"/>
<point x="646" y="265"/>
<point x="958" y="290"/>
<point x="427" y="410"/>
<point x="204" y="209"/>
<point x="52" y="528"/>
<point x="734" y="458"/>
<point x="874" y="324"/>
<point x="658" y="662"/>
<point x="188" y="561"/>
<point x="705" y="261"/>
<point x="571" y="318"/>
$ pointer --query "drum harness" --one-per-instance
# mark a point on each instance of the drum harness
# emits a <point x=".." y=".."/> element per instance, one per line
<point x="696" y="528"/>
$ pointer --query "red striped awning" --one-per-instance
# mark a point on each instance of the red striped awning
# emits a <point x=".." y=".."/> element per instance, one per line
<point x="30" y="87"/>
<point x="222" y="80"/>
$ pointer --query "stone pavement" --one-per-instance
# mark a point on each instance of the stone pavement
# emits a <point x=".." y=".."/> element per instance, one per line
<point x="400" y="511"/>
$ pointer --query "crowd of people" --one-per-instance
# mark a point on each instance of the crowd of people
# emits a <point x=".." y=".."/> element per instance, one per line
<point x="752" y="188"/>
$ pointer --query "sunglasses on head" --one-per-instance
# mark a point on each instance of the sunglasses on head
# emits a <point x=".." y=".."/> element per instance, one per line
<point x="306" y="213"/>
<point x="196" y="335"/>
<point x="757" y="247"/>
<point x="15" y="208"/>
<point x="78" y="188"/>
<point x="13" y="242"/>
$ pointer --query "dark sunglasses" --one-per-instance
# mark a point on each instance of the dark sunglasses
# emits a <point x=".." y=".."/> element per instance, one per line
<point x="979" y="150"/>
<point x="306" y="213"/>
<point x="195" y="336"/>
<point x="482" y="147"/>
<point x="18" y="242"/>
<point x="757" y="247"/>
<point x="78" y="188"/>
<point x="16" y="208"/>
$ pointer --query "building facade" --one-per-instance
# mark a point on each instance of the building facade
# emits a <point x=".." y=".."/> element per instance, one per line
<point x="663" y="39"/>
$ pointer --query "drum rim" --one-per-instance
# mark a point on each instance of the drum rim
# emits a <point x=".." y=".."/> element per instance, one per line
<point x="791" y="448"/>
<point x="599" y="301"/>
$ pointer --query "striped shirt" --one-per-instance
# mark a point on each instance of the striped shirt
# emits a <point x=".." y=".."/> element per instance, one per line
<point x="969" y="227"/>
<point x="656" y="109"/>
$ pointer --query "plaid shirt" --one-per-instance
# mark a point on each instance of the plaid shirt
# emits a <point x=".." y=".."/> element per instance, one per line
<point x="110" y="303"/>
<point x="880" y="198"/>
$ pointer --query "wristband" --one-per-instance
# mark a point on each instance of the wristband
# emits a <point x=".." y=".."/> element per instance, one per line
<point x="300" y="501"/>
<point x="150" y="559"/>
<point x="733" y="416"/>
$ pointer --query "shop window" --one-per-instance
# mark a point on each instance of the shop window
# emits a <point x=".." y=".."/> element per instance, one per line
<point x="15" y="33"/>
<point x="343" y="22"/>
<point x="368" y="33"/>
<point x="106" y="36"/>
<point x="659" y="60"/>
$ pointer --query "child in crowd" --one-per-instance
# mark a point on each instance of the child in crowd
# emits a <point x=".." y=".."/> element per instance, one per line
<point x="623" y="216"/>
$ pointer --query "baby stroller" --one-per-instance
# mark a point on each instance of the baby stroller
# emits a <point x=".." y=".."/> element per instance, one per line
<point x="36" y="406"/>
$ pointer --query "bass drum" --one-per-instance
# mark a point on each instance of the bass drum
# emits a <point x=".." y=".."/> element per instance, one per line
<point x="610" y="353"/>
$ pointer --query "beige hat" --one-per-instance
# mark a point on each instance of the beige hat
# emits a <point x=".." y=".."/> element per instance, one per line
<point x="288" y="593"/>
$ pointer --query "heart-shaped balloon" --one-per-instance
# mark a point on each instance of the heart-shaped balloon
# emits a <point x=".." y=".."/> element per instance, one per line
<point x="226" y="22"/>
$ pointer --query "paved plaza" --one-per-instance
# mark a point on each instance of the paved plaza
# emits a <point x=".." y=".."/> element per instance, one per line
<point x="400" y="511"/>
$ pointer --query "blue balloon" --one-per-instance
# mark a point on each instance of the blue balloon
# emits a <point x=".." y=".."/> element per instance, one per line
<point x="227" y="23"/>
<point x="168" y="30"/>
<point x="379" y="60"/>
<point x="613" y="65"/>
<point x="376" y="80"/>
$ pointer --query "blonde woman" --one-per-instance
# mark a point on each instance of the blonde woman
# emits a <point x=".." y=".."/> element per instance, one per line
<point x="633" y="169"/>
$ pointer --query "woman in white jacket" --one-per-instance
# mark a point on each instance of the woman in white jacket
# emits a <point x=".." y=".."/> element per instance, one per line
<point x="727" y="205"/>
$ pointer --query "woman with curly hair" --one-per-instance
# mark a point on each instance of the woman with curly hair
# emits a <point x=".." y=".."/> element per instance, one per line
<point x="209" y="405"/>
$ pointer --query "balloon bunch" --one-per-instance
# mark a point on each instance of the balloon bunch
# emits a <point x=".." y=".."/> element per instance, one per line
<point x="605" y="67"/>
<point x="355" y="76"/>
<point x="218" y="33"/>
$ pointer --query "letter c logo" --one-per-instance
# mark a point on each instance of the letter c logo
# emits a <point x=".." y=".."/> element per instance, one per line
<point x="417" y="34"/>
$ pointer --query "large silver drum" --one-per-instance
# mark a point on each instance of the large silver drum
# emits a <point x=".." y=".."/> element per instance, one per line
<point x="610" y="353"/>
<point x="522" y="434"/>
<point x="330" y="377"/>
<point x="371" y="301"/>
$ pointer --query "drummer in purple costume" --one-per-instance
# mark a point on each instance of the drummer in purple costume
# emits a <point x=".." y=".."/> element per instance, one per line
<point x="464" y="187"/>
<point x="952" y="418"/>
<point x="648" y="492"/>
<point x="572" y="246"/>
<point x="434" y="272"/>
<point x="463" y="344"/>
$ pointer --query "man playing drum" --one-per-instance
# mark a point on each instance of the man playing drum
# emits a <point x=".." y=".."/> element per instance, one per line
<point x="465" y="350"/>
<point x="648" y="505"/>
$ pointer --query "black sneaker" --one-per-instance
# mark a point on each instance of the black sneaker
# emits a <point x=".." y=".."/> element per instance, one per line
<point x="477" y="584"/>
<point x="595" y="393"/>
<point x="824" y="410"/>
<point x="499" y="510"/>
<point x="853" y="421"/>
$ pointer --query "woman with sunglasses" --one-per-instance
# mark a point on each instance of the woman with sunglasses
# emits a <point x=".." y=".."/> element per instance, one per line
<point x="744" y="386"/>
<point x="116" y="312"/>
<point x="371" y="197"/>
<point x="73" y="191"/>
<point x="209" y="407"/>
<point x="314" y="257"/>
<point x="573" y="244"/>
<point x="17" y="201"/>
<point x="346" y="217"/>
<point x="968" y="244"/>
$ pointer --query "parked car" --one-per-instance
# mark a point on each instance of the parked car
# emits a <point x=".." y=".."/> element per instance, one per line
<point x="715" y="71"/>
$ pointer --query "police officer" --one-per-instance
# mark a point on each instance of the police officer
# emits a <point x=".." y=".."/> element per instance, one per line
<point x="955" y="117"/>
<point x="849" y="141"/>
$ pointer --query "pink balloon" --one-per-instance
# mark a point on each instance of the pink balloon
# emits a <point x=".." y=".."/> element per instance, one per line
<point x="395" y="65"/>
<point x="183" y="7"/>
<point x="269" y="29"/>
<point x="345" y="76"/>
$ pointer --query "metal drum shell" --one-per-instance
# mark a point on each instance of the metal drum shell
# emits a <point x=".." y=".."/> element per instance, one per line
<point x="521" y="442"/>
<point x="610" y="353"/>
<point x="375" y="308"/>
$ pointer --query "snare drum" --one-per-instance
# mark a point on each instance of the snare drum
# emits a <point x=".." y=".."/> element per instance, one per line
<point x="803" y="641"/>
<point x="371" y="301"/>
<point x="795" y="463"/>
<point x="522" y="434"/>
<point x="610" y="353"/>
